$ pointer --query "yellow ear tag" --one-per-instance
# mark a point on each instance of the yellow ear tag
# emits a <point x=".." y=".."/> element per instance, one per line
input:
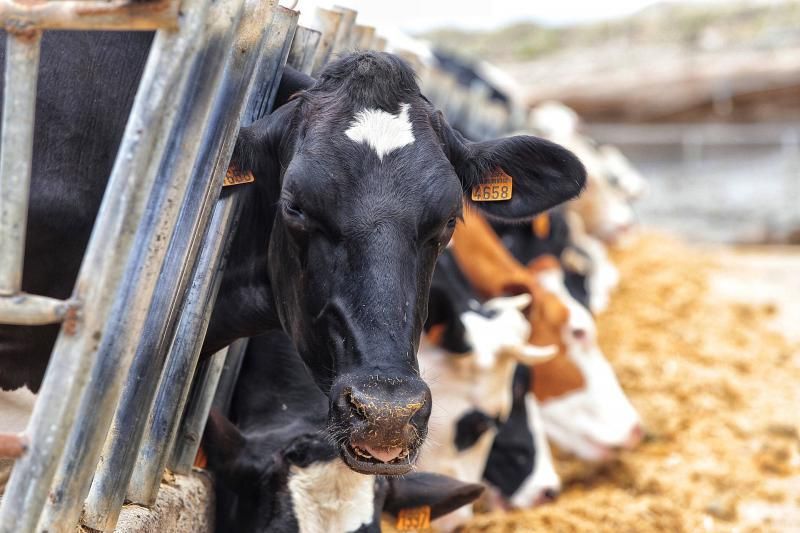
<point x="234" y="176"/>
<point x="416" y="518"/>
<point x="494" y="188"/>
<point x="541" y="225"/>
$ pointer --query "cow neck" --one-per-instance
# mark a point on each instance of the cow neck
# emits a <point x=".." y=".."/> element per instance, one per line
<point x="244" y="306"/>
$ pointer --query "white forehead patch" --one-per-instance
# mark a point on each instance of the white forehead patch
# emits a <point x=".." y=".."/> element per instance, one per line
<point x="383" y="131"/>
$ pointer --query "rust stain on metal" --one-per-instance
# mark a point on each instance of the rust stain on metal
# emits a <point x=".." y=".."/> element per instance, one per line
<point x="22" y="30"/>
<point x="71" y="317"/>
<point x="123" y="8"/>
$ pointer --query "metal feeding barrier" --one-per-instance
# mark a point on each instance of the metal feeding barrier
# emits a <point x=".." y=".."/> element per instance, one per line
<point x="125" y="395"/>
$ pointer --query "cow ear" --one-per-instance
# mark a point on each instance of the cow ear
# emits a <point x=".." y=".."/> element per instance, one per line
<point x="223" y="443"/>
<point x="260" y="146"/>
<point x="420" y="489"/>
<point x="542" y="174"/>
<point x="292" y="82"/>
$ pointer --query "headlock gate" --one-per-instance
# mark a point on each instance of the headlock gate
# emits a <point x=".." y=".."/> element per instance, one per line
<point x="117" y="406"/>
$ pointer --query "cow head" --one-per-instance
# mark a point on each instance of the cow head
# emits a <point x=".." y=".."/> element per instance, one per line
<point x="367" y="181"/>
<point x="520" y="465"/>
<point x="584" y="408"/>
<point x="304" y="486"/>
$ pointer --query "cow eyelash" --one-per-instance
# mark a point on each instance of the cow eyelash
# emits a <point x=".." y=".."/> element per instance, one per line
<point x="292" y="209"/>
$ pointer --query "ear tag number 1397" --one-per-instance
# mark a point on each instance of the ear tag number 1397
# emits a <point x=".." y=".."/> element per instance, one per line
<point x="497" y="187"/>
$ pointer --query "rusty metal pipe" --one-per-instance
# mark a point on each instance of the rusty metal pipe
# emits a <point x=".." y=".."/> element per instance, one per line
<point x="24" y="309"/>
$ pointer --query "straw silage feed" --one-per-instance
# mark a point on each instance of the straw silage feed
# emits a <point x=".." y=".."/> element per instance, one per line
<point x="719" y="393"/>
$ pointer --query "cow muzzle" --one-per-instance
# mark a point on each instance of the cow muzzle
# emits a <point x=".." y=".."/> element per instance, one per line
<point x="381" y="423"/>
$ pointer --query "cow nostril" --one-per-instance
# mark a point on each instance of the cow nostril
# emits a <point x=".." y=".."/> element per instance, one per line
<point x="550" y="495"/>
<point x="358" y="405"/>
<point x="579" y="334"/>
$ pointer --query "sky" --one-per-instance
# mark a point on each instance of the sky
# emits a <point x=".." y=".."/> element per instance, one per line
<point x="414" y="16"/>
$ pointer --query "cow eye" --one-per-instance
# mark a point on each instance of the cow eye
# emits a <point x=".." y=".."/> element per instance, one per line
<point x="293" y="210"/>
<point x="451" y="223"/>
<point x="294" y="214"/>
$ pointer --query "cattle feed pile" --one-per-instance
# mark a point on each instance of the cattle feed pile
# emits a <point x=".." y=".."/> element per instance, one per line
<point x="716" y="387"/>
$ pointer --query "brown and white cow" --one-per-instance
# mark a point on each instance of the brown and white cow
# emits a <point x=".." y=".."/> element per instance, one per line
<point x="583" y="406"/>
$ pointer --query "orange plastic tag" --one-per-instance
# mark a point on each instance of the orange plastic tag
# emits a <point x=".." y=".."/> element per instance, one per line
<point x="200" y="460"/>
<point x="415" y="518"/>
<point x="494" y="188"/>
<point x="541" y="225"/>
<point x="234" y="176"/>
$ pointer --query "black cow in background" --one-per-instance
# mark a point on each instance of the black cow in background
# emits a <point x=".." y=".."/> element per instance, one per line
<point x="359" y="183"/>
<point x="278" y="470"/>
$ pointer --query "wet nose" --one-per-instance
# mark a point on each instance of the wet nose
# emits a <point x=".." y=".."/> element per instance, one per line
<point x="386" y="418"/>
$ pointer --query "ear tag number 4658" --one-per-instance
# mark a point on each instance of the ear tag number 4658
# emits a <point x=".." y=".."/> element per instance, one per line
<point x="494" y="188"/>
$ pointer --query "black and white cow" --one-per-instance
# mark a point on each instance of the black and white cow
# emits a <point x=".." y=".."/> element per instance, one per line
<point x="358" y="185"/>
<point x="520" y="465"/>
<point x="278" y="470"/>
<point x="473" y="389"/>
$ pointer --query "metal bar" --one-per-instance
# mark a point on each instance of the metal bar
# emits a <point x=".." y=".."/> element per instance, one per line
<point x="205" y="121"/>
<point x="182" y="359"/>
<point x="304" y="46"/>
<point x="279" y="40"/>
<point x="30" y="310"/>
<point x="366" y="35"/>
<point x="22" y="17"/>
<point x="356" y="36"/>
<point x="230" y="374"/>
<point x="144" y="141"/>
<point x="194" y="317"/>
<point x="327" y="22"/>
<point x="194" y="418"/>
<point x="12" y="445"/>
<point x="342" y="42"/>
<point x="16" y="151"/>
<point x="113" y="473"/>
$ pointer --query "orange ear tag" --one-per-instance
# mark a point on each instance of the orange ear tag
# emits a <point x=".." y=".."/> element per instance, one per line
<point x="494" y="188"/>
<point x="415" y="518"/>
<point x="234" y="176"/>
